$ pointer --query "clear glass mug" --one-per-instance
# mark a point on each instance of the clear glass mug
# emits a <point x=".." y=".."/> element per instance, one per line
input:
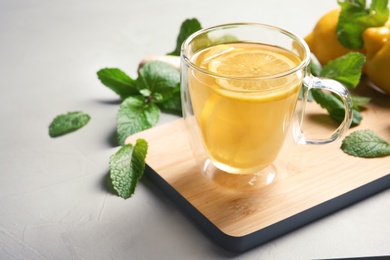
<point x="237" y="118"/>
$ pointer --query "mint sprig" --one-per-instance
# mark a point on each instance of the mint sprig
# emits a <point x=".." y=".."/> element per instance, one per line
<point x="157" y="87"/>
<point x="346" y="70"/>
<point x="366" y="144"/>
<point x="335" y="106"/>
<point x="67" y="123"/>
<point x="355" y="17"/>
<point x="159" y="82"/>
<point x="127" y="167"/>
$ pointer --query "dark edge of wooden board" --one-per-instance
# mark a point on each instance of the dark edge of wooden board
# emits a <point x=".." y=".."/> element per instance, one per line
<point x="244" y="243"/>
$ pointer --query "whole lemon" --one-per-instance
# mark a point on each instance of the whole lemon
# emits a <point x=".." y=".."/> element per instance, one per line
<point x="323" y="41"/>
<point x="377" y="50"/>
<point x="324" y="44"/>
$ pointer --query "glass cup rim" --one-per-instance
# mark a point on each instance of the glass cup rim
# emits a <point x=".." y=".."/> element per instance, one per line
<point x="290" y="34"/>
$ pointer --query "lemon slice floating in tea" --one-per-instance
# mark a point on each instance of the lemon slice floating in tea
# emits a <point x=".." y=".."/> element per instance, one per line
<point x="250" y="65"/>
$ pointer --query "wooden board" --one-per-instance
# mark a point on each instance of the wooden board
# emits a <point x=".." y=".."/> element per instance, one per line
<point x="312" y="181"/>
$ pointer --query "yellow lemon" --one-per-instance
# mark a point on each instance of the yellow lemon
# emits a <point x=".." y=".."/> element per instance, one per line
<point x="323" y="41"/>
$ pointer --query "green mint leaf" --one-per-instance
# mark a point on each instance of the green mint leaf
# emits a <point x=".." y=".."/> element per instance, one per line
<point x="118" y="81"/>
<point x="173" y="104"/>
<point x="67" y="123"/>
<point x="187" y="28"/>
<point x="359" y="101"/>
<point x="355" y="18"/>
<point x="366" y="144"/>
<point x="346" y="69"/>
<point x="338" y="114"/>
<point x="135" y="115"/>
<point x="334" y="106"/>
<point x="145" y="92"/>
<point x="315" y="66"/>
<point x="127" y="167"/>
<point x="159" y="79"/>
<point x="315" y="69"/>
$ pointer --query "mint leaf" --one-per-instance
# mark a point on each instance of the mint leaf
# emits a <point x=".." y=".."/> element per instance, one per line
<point x="315" y="66"/>
<point x="158" y="79"/>
<point x="118" y="81"/>
<point x="67" y="123"/>
<point x="366" y="144"/>
<point x="127" y="167"/>
<point x="355" y="18"/>
<point x="346" y="69"/>
<point x="187" y="28"/>
<point x="173" y="104"/>
<point x="359" y="101"/>
<point x="135" y="115"/>
<point x="334" y="106"/>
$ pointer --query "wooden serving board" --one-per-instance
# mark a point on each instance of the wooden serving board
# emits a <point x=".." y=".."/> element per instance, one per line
<point x="312" y="180"/>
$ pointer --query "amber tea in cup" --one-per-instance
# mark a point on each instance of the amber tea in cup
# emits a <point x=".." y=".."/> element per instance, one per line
<point x="240" y="88"/>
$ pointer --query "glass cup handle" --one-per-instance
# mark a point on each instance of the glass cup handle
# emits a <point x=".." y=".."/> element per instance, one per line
<point x="311" y="82"/>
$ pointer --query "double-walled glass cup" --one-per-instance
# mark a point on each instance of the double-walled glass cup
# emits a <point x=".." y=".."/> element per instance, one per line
<point x="240" y="87"/>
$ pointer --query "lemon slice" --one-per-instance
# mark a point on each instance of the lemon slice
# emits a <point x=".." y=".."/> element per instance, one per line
<point x="214" y="52"/>
<point x="217" y="51"/>
<point x="250" y="66"/>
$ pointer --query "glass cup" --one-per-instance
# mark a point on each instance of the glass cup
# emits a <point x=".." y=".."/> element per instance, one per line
<point x="240" y="86"/>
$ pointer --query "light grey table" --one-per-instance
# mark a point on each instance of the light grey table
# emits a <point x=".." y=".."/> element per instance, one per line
<point x="54" y="203"/>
